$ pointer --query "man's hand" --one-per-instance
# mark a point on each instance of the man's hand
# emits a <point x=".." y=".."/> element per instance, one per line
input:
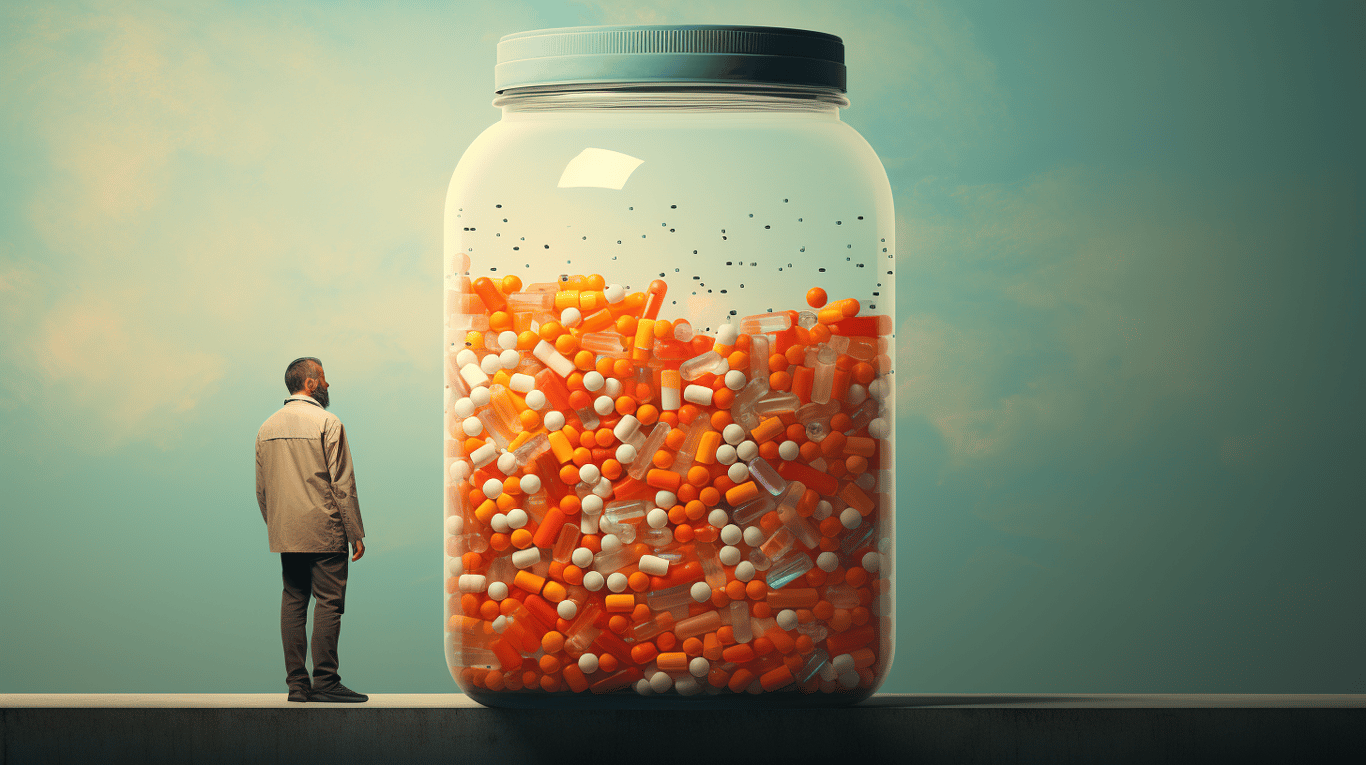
<point x="359" y="547"/>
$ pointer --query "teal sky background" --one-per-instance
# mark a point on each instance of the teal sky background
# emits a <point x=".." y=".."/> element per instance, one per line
<point x="1129" y="302"/>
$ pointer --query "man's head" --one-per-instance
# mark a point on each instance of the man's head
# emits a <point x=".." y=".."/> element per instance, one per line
<point x="305" y="376"/>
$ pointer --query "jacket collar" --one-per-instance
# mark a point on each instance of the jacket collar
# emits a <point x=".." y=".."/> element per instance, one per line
<point x="303" y="397"/>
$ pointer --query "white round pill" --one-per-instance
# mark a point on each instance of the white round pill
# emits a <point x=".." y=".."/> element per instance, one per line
<point x="465" y="357"/>
<point x="738" y="473"/>
<point x="590" y="473"/>
<point x="871" y="562"/>
<point x="699" y="667"/>
<point x="665" y="499"/>
<point x="733" y="433"/>
<point x="460" y="470"/>
<point x="507" y="462"/>
<point x="493" y="488"/>
<point x="789" y="450"/>
<point x="747" y="451"/>
<point x="463" y="407"/>
<point x="661" y="682"/>
<point x="657" y="518"/>
<point x="491" y="363"/>
<point x="725" y="454"/>
<point x="588" y="663"/>
<point x="614" y="293"/>
<point x="754" y="536"/>
<point x="517" y="518"/>
<point x="718" y="518"/>
<point x="592" y="381"/>
<point x="865" y="481"/>
<point x="507" y="339"/>
<point x="823" y="510"/>
<point x="481" y="396"/>
<point x="878" y="388"/>
<point x="454" y="524"/>
<point x="570" y="317"/>
<point x="878" y="428"/>
<point x="612" y="388"/>
<point x="472" y="426"/>
<point x="499" y="523"/>
<point x="604" y="405"/>
<point x="498" y="590"/>
<point x="744" y="571"/>
<point x="530" y="483"/>
<point x="729" y="555"/>
<point x="591" y="504"/>
<point x="509" y="359"/>
<point x="842" y="663"/>
<point x="727" y="334"/>
<point x="787" y="619"/>
<point x="610" y="543"/>
<point x="827" y="562"/>
<point x="851" y="678"/>
<point x="554" y="420"/>
<point x="850" y="518"/>
<point x="567" y="609"/>
<point x="455" y="566"/>
<point x="700" y="592"/>
<point x="732" y="534"/>
<point x="735" y="379"/>
<point x="626" y="454"/>
<point x="857" y="395"/>
<point x="594" y="581"/>
<point x="643" y="688"/>
<point x="535" y="400"/>
<point x="581" y="557"/>
<point x="616" y="582"/>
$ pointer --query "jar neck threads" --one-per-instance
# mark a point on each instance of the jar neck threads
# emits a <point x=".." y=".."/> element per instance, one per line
<point x="673" y="97"/>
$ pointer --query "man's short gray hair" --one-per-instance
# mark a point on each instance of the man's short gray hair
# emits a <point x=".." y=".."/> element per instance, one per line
<point x="300" y="370"/>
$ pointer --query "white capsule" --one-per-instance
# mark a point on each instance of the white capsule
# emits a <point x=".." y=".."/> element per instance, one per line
<point x="732" y="534"/>
<point x="878" y="428"/>
<point x="592" y="381"/>
<point x="733" y="433"/>
<point x="718" y="518"/>
<point x="570" y="317"/>
<point x="615" y="293"/>
<point x="594" y="581"/>
<point x="823" y="510"/>
<point x="700" y="592"/>
<point x="738" y="473"/>
<point x="454" y="524"/>
<point x="604" y="405"/>
<point x="526" y="558"/>
<point x="735" y="379"/>
<point x="491" y="363"/>
<point x="554" y="420"/>
<point x="727" y="334"/>
<point x="499" y="523"/>
<point x="725" y="454"/>
<point x="472" y="582"/>
<point x="627" y="428"/>
<point x="698" y="394"/>
<point x="507" y="463"/>
<point x="610" y="543"/>
<point x="464" y="407"/>
<point x="654" y="565"/>
<point x="590" y="473"/>
<point x="827" y="562"/>
<point x="744" y="571"/>
<point x="498" y="590"/>
<point x="591" y="504"/>
<point x="530" y="483"/>
<point x="789" y="450"/>
<point x="588" y="663"/>
<point x="754" y="536"/>
<point x="493" y="488"/>
<point x="747" y="450"/>
<point x="536" y="400"/>
<point x="522" y="383"/>
<point x="656" y="518"/>
<point x="517" y="518"/>
<point x="460" y="470"/>
<point x="567" y="609"/>
<point x="499" y="624"/>
<point x="481" y="396"/>
<point x="612" y="388"/>
<point x="581" y="557"/>
<point x="699" y="667"/>
<point x="472" y="426"/>
<point x="616" y="582"/>
<point x="729" y="555"/>
<point x="484" y="454"/>
<point x="509" y="359"/>
<point x="857" y="394"/>
<point x="850" y="518"/>
<point x="871" y="562"/>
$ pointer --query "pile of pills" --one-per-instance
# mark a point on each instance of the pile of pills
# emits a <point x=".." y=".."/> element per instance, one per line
<point x="634" y="505"/>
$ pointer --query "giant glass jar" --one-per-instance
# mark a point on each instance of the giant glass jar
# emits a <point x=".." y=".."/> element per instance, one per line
<point x="669" y="452"/>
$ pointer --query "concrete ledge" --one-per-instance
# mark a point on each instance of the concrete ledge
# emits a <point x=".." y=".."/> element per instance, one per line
<point x="450" y="728"/>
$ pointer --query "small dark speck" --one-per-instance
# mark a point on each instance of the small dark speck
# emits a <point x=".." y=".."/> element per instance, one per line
<point x="697" y="277"/>
<point x="872" y="305"/>
<point x="768" y="227"/>
<point x="751" y="215"/>
<point x="732" y="313"/>
<point x="742" y="286"/>
<point x="673" y="207"/>
<point x="722" y="291"/>
<point x="708" y="292"/>
<point x="618" y="241"/>
<point x="493" y="268"/>
<point x="770" y="310"/>
<point x="728" y="262"/>
<point x="799" y="220"/>
<point x="694" y="252"/>
<point x="822" y="270"/>
<point x="547" y="246"/>
<point x="860" y="265"/>
<point x="860" y="217"/>
<point x="671" y="231"/>
<point x="515" y="248"/>
<point x="875" y="294"/>
<point x="802" y="250"/>
<point x="784" y="200"/>
<point x="723" y="239"/>
<point x="585" y="238"/>
<point x="661" y="275"/>
<point x="505" y="220"/>
<point x="630" y="208"/>
<point x="839" y="223"/>
<point x="498" y="206"/>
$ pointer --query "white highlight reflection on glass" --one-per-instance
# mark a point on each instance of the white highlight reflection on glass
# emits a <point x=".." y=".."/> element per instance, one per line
<point x="599" y="168"/>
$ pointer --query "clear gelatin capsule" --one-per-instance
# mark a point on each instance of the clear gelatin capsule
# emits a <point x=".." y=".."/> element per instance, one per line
<point x="669" y="456"/>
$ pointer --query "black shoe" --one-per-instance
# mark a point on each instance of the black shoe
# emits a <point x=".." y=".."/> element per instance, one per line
<point x="298" y="694"/>
<point x="338" y="694"/>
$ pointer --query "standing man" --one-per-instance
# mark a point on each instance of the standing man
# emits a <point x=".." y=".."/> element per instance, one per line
<point x="307" y="492"/>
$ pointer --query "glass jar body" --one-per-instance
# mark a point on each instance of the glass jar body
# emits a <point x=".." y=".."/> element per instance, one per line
<point x="738" y="208"/>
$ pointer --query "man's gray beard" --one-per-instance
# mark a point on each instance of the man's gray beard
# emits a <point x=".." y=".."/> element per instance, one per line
<point x="320" y="396"/>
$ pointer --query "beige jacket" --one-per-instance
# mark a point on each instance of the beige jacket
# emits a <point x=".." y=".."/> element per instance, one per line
<point x="304" y="480"/>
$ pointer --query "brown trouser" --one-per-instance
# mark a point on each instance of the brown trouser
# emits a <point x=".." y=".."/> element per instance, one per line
<point x="324" y="575"/>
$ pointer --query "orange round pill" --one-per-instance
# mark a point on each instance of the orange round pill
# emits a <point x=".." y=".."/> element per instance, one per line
<point x="638" y="581"/>
<point x="510" y="284"/>
<point x="756" y="589"/>
<point x="698" y="475"/>
<point x="552" y="641"/>
<point x="521" y="538"/>
<point x="500" y="321"/>
<point x="816" y="297"/>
